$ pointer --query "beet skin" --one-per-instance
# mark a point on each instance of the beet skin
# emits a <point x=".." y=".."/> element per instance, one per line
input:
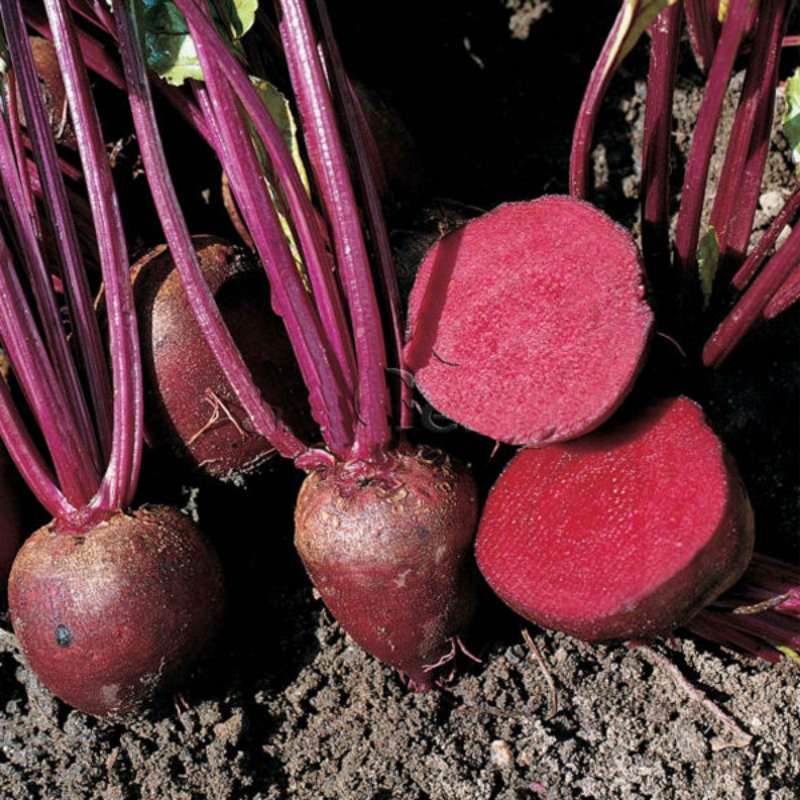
<point x="389" y="548"/>
<point x="109" y="618"/>
<point x="529" y="324"/>
<point x="624" y="534"/>
<point x="190" y="406"/>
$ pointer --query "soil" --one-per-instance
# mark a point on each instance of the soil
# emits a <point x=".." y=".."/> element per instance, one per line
<point x="285" y="705"/>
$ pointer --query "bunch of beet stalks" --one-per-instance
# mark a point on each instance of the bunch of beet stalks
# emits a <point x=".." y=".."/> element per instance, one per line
<point x="614" y="531"/>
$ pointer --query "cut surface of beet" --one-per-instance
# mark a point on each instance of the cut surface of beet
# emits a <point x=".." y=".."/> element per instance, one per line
<point x="529" y="324"/>
<point x="623" y="534"/>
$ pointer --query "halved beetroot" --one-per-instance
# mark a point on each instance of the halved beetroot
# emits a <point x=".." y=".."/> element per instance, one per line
<point x="623" y="534"/>
<point x="529" y="324"/>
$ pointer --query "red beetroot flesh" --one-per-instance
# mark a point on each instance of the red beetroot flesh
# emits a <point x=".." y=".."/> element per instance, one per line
<point x="389" y="548"/>
<point x="624" y="534"/>
<point x="190" y="406"/>
<point x="529" y="324"/>
<point x="109" y="618"/>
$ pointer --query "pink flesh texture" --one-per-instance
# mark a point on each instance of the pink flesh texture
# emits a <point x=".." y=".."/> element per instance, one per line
<point x="389" y="548"/>
<point x="624" y="534"/>
<point x="110" y="618"/>
<point x="529" y="324"/>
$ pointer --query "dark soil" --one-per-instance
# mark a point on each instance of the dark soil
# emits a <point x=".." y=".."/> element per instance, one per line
<point x="285" y="706"/>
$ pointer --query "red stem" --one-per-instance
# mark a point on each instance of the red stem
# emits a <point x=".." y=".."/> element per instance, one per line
<point x="119" y="482"/>
<point x="329" y="163"/>
<point x="215" y="332"/>
<point x="587" y="115"/>
<point x="703" y="25"/>
<point x="687" y="231"/>
<point x="657" y="144"/>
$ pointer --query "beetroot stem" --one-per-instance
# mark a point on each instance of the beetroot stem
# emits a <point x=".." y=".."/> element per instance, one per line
<point x="44" y="392"/>
<point x="657" y="144"/>
<point x="119" y="482"/>
<point x="57" y="348"/>
<point x="303" y="214"/>
<point x="79" y="297"/>
<point x="687" y="232"/>
<point x="330" y="167"/>
<point x="701" y="20"/>
<point x="767" y="241"/>
<point x="215" y="332"/>
<point x="327" y="390"/>
<point x="753" y="302"/>
<point x="366" y="154"/>
<point x="748" y="146"/>
<point x="587" y="114"/>
<point x="35" y="472"/>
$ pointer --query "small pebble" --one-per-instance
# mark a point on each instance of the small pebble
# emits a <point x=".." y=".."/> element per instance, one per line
<point x="500" y="755"/>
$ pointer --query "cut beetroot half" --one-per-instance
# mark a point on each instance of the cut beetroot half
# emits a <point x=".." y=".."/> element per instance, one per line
<point x="624" y="534"/>
<point x="529" y="324"/>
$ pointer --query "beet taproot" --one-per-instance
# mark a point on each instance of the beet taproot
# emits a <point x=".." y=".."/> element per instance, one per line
<point x="113" y="616"/>
<point x="389" y="548"/>
<point x="529" y="324"/>
<point x="190" y="406"/>
<point x="623" y="534"/>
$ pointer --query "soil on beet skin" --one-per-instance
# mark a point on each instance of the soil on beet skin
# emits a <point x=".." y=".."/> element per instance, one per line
<point x="285" y="705"/>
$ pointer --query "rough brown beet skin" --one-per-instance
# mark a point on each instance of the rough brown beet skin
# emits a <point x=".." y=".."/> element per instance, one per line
<point x="109" y="618"/>
<point x="389" y="548"/>
<point x="623" y="534"/>
<point x="188" y="400"/>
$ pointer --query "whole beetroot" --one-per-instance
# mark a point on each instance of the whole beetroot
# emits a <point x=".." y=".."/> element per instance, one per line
<point x="389" y="548"/>
<point x="190" y="406"/>
<point x="111" y="618"/>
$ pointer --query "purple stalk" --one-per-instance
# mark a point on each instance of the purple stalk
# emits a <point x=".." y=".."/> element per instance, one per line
<point x="119" y="482"/>
<point x="787" y="295"/>
<point x="327" y="390"/>
<point x="215" y="332"/>
<point x="687" y="232"/>
<point x="95" y="54"/>
<point x="11" y="98"/>
<point x="64" y="372"/>
<point x="703" y="25"/>
<point x="65" y="235"/>
<point x="753" y="302"/>
<point x="590" y="106"/>
<point x="657" y="146"/>
<point x="329" y="163"/>
<point x="302" y="212"/>
<point x="364" y="148"/>
<point x="20" y="336"/>
<point x="767" y="241"/>
<point x="748" y="146"/>
<point x="35" y="472"/>
<point x="747" y="616"/>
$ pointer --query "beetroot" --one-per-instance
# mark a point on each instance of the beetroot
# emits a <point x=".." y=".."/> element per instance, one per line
<point x="529" y="324"/>
<point x="108" y="618"/>
<point x="190" y="405"/>
<point x="624" y="534"/>
<point x="389" y="548"/>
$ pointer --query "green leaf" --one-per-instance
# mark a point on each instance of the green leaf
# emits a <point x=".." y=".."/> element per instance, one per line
<point x="281" y="112"/>
<point x="707" y="263"/>
<point x="637" y="18"/>
<point x="168" y="48"/>
<point x="791" y="117"/>
<point x="788" y="652"/>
